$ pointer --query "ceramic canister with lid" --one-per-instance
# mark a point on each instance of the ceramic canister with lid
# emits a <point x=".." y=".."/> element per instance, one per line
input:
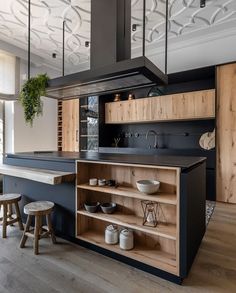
<point x="111" y="234"/>
<point x="126" y="239"/>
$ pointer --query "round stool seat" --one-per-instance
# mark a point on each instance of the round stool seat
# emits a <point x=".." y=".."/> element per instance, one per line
<point x="38" y="208"/>
<point x="10" y="198"/>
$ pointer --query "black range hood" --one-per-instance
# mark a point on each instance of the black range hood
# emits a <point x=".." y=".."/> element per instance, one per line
<point x="112" y="69"/>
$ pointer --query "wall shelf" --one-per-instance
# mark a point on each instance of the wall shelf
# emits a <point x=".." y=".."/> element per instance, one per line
<point x="88" y="135"/>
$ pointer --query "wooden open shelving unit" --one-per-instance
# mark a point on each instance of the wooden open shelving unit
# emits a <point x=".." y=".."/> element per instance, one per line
<point x="154" y="246"/>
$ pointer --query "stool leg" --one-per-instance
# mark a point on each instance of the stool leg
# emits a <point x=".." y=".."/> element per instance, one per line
<point x="1" y="218"/>
<point x="10" y="213"/>
<point x="36" y="234"/>
<point x="4" y="223"/>
<point x="50" y="229"/>
<point x="27" y="227"/>
<point x="18" y="215"/>
<point x="40" y="225"/>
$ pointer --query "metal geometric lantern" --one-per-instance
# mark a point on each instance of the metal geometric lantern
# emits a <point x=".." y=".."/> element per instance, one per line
<point x="151" y="213"/>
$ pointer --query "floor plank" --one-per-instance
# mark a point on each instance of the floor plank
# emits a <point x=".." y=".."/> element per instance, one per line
<point x="66" y="267"/>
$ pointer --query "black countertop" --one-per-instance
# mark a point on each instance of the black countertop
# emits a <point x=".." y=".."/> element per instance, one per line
<point x="183" y="162"/>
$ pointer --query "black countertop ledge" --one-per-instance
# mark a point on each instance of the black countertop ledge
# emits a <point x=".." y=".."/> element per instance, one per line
<point x="183" y="162"/>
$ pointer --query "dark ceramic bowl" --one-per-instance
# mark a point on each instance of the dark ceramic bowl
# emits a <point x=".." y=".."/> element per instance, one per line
<point x="91" y="207"/>
<point x="108" y="207"/>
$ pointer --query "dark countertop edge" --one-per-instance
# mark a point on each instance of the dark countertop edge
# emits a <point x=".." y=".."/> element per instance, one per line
<point x="198" y="160"/>
<point x="183" y="162"/>
<point x="41" y="158"/>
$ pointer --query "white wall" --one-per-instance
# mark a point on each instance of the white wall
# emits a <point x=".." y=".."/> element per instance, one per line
<point x="9" y="127"/>
<point x="198" y="51"/>
<point x="43" y="134"/>
<point x="21" y="137"/>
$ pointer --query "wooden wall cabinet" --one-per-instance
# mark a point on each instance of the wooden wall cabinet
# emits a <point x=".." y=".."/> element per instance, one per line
<point x="184" y="106"/>
<point x="70" y="125"/>
<point x="226" y="133"/>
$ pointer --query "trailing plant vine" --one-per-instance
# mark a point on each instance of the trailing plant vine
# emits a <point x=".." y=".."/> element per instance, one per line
<point x="30" y="96"/>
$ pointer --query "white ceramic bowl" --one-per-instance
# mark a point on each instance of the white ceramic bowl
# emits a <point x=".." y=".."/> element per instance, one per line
<point x="148" y="186"/>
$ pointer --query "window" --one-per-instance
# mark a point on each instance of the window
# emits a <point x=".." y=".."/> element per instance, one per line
<point x="7" y="76"/>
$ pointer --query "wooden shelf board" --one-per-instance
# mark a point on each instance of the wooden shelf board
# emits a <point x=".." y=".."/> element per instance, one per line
<point x="39" y="175"/>
<point x="130" y="221"/>
<point x="132" y="192"/>
<point x="88" y="135"/>
<point x="152" y="257"/>
<point x="88" y="105"/>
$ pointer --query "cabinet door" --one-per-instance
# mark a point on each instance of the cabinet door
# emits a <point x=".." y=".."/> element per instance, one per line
<point x="226" y="133"/>
<point x="183" y="106"/>
<point x="70" y="125"/>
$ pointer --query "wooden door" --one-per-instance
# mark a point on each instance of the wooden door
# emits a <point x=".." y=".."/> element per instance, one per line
<point x="70" y="125"/>
<point x="226" y="133"/>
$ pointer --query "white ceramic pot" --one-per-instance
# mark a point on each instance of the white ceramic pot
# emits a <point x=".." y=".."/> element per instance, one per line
<point x="111" y="234"/>
<point x="93" y="181"/>
<point x="126" y="239"/>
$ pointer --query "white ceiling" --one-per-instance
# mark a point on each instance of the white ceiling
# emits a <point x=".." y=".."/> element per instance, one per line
<point x="185" y="19"/>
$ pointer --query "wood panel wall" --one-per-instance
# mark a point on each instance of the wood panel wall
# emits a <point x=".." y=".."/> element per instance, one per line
<point x="226" y="133"/>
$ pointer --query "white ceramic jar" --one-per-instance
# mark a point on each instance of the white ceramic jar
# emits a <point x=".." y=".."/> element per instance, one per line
<point x="93" y="181"/>
<point x="111" y="234"/>
<point x="126" y="239"/>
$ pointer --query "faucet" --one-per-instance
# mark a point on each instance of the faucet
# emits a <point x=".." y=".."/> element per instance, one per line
<point x="155" y="142"/>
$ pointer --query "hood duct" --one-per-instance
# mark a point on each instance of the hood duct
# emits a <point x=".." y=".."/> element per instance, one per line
<point x="112" y="68"/>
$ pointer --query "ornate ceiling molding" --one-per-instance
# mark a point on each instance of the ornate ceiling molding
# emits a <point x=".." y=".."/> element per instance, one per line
<point x="185" y="19"/>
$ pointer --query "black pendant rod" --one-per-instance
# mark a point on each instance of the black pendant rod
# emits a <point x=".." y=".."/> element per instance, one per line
<point x="29" y="24"/>
<point x="144" y="25"/>
<point x="166" y="38"/>
<point x="63" y="47"/>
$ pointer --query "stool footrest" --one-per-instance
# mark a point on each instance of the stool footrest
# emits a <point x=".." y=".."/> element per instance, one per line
<point x="43" y="235"/>
<point x="29" y="234"/>
<point x="13" y="221"/>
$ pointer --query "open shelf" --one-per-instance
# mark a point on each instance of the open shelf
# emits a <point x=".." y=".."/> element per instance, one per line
<point x="154" y="246"/>
<point x="131" y="192"/>
<point x="167" y="231"/>
<point x="89" y="135"/>
<point x="151" y="256"/>
<point x="88" y="105"/>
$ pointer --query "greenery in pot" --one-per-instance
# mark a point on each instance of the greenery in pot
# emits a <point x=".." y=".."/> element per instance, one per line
<point x="30" y="96"/>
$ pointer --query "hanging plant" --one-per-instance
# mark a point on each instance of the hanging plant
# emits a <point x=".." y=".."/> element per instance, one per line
<point x="30" y="96"/>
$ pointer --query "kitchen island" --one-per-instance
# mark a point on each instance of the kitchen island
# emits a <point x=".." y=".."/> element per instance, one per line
<point x="166" y="250"/>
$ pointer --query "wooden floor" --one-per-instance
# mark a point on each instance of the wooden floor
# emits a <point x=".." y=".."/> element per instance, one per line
<point x="69" y="268"/>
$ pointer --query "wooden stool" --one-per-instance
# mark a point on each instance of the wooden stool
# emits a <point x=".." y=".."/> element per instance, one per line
<point x="38" y="209"/>
<point x="7" y="201"/>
